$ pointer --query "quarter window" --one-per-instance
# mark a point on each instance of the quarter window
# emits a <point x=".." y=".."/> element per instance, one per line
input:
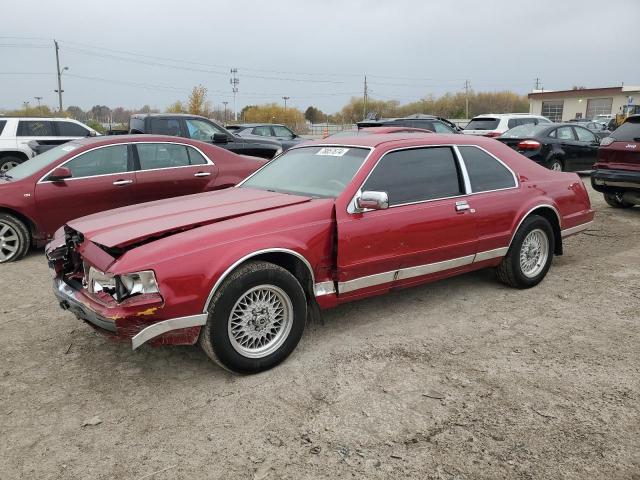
<point x="162" y="155"/>
<point x="165" y="126"/>
<point x="70" y="129"/>
<point x="262" y="131"/>
<point x="195" y="157"/>
<point x="101" y="161"/>
<point x="485" y="172"/>
<point x="416" y="175"/>
<point x="35" y="128"/>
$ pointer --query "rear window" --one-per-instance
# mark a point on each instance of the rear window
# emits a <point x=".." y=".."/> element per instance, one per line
<point x="483" y="124"/>
<point x="528" y="130"/>
<point x="629" y="131"/>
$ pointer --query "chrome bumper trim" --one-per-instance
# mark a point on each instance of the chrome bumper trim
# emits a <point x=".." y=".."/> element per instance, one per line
<point x="165" y="326"/>
<point x="577" y="229"/>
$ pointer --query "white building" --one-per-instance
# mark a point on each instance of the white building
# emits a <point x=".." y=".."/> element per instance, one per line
<point x="563" y="105"/>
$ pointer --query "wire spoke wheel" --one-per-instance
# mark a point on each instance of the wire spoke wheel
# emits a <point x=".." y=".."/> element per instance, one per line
<point x="260" y="321"/>
<point x="534" y="253"/>
<point x="9" y="241"/>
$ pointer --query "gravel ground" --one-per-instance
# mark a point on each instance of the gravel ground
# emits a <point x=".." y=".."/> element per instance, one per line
<point x="464" y="378"/>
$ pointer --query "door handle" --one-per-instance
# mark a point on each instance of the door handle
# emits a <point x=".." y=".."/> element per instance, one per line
<point x="201" y="174"/>
<point x="461" y="206"/>
<point x="120" y="183"/>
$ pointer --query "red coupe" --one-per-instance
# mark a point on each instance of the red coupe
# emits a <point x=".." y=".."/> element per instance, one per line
<point x="100" y="173"/>
<point x="325" y="223"/>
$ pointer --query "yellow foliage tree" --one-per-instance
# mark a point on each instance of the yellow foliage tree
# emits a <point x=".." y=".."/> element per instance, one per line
<point x="274" y="113"/>
<point x="197" y="104"/>
<point x="176" y="107"/>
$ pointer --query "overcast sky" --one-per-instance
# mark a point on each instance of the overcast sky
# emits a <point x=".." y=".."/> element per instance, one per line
<point x="316" y="52"/>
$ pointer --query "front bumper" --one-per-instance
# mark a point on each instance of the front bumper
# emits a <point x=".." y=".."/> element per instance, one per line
<point x="605" y="180"/>
<point x="136" y="323"/>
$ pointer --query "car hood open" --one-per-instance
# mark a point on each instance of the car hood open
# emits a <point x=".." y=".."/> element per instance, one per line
<point x="138" y="224"/>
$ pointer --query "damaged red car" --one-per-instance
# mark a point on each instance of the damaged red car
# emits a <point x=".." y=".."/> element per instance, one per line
<point x="240" y="270"/>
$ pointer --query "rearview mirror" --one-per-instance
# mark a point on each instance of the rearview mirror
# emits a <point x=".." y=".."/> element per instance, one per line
<point x="372" y="201"/>
<point x="219" y="138"/>
<point x="60" y="174"/>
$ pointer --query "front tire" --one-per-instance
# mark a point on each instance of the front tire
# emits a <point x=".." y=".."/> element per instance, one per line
<point x="615" y="200"/>
<point x="529" y="257"/>
<point x="8" y="162"/>
<point x="256" y="318"/>
<point x="15" y="238"/>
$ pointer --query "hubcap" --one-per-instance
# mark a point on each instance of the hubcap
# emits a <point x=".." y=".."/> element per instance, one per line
<point x="556" y="166"/>
<point x="8" y="242"/>
<point x="260" y="321"/>
<point x="8" y="166"/>
<point x="534" y="253"/>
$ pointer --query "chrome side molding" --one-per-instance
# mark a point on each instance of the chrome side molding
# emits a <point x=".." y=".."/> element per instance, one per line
<point x="165" y="326"/>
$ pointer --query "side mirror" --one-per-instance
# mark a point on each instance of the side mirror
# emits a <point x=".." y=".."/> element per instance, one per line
<point x="60" y="174"/>
<point x="372" y="201"/>
<point x="219" y="138"/>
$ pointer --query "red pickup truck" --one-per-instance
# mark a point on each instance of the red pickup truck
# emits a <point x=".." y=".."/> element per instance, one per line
<point x="325" y="223"/>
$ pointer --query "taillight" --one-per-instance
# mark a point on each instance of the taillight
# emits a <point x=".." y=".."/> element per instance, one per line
<point x="607" y="141"/>
<point x="493" y="134"/>
<point x="528" y="145"/>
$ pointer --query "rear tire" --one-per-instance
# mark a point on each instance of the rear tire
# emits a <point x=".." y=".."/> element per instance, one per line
<point x="256" y="318"/>
<point x="530" y="254"/>
<point x="8" y="162"/>
<point x="615" y="200"/>
<point x="556" y="165"/>
<point x="15" y="238"/>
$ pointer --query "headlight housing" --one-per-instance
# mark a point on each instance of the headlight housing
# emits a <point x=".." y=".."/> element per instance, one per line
<point x="121" y="287"/>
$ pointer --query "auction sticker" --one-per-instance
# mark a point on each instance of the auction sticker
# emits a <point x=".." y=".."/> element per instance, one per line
<point x="333" y="151"/>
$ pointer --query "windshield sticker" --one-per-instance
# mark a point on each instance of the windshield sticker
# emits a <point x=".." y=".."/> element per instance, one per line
<point x="68" y="148"/>
<point x="333" y="151"/>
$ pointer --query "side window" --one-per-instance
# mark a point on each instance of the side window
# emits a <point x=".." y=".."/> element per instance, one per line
<point x="485" y="172"/>
<point x="70" y="129"/>
<point x="513" y="122"/>
<point x="263" y="131"/>
<point x="101" y="161"/>
<point x="2" y="124"/>
<point x="35" y="128"/>
<point x="553" y="134"/>
<point x="565" y="133"/>
<point x="201" y="130"/>
<point x="416" y="175"/>
<point x="161" y="155"/>
<point x="584" y="135"/>
<point x="280" y="131"/>
<point x="440" y="127"/>
<point x="195" y="157"/>
<point x="165" y="126"/>
<point x="527" y="120"/>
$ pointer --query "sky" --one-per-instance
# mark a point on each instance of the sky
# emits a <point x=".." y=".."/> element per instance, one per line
<point x="137" y="52"/>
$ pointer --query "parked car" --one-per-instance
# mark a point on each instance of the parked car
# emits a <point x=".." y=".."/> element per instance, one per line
<point x="378" y="130"/>
<point x="600" y="130"/>
<point x="94" y="174"/>
<point x="617" y="171"/>
<point x="204" y="130"/>
<point x="23" y="137"/>
<point x="563" y="146"/>
<point x="323" y="224"/>
<point x="494" y="125"/>
<point x="281" y="133"/>
<point x="421" y="121"/>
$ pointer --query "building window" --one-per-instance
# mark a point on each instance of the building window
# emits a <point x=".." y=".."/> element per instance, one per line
<point x="552" y="109"/>
<point x="599" y="106"/>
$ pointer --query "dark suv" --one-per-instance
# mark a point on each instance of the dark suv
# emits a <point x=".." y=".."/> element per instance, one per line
<point x="426" y="122"/>
<point x="617" y="172"/>
<point x="205" y="130"/>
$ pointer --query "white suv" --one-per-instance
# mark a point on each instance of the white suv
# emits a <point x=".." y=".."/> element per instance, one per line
<point x="494" y="125"/>
<point x="17" y="132"/>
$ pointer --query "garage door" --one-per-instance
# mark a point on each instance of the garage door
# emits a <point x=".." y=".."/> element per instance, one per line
<point x="599" y="106"/>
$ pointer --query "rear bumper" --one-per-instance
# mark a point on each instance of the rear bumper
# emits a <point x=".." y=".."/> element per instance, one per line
<point x="604" y="180"/>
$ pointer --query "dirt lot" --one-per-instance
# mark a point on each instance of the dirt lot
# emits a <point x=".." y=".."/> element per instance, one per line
<point x="465" y="378"/>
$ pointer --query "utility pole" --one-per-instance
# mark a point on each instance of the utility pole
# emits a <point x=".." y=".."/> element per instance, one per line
<point x="59" y="90"/>
<point x="467" y="86"/>
<point x="39" y="106"/>
<point x="285" y="102"/>
<point x="234" y="81"/>
<point x="224" y="118"/>
<point x="537" y="87"/>
<point x="26" y="107"/>
<point x="365" y="98"/>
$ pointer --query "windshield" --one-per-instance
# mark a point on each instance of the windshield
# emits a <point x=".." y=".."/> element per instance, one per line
<point x="528" y="130"/>
<point x="321" y="172"/>
<point x="39" y="162"/>
<point x="482" y="124"/>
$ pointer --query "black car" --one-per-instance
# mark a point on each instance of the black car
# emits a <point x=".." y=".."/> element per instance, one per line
<point x="426" y="122"/>
<point x="557" y="146"/>
<point x="283" y="134"/>
<point x="203" y="129"/>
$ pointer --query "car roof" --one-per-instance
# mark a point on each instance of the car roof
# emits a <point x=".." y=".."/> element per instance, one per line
<point x="249" y="125"/>
<point x="136" y="138"/>
<point x="22" y="117"/>
<point x="503" y="115"/>
<point x="401" y="139"/>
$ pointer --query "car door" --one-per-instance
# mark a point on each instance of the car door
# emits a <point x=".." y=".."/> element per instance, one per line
<point x="569" y="144"/>
<point x="587" y="148"/>
<point x="427" y="229"/>
<point x="167" y="170"/>
<point x="41" y="131"/>
<point x="102" y="179"/>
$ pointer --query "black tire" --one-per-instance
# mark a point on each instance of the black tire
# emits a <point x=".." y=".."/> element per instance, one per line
<point x="8" y="162"/>
<point x="15" y="238"/>
<point x="556" y="164"/>
<point x="615" y="200"/>
<point x="510" y="270"/>
<point x="215" y="338"/>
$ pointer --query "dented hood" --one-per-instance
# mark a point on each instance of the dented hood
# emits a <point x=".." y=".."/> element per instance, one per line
<point x="145" y="222"/>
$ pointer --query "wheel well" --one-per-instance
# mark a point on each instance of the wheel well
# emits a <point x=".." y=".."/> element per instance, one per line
<point x="14" y="154"/>
<point x="552" y="217"/>
<point x="293" y="265"/>
<point x="26" y="220"/>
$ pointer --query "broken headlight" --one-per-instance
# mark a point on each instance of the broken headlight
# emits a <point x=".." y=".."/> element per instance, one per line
<point x="121" y="287"/>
